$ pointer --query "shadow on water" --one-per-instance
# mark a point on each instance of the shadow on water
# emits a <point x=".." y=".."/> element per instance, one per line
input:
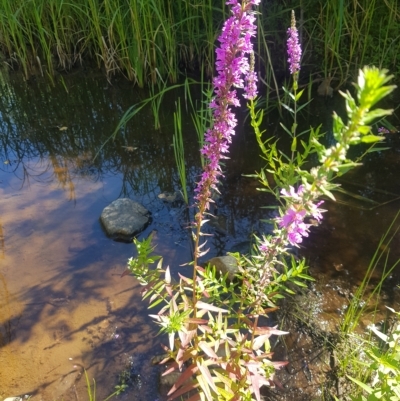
<point x="63" y="304"/>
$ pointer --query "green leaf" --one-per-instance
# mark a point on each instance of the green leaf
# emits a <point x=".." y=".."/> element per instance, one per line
<point x="376" y="113"/>
<point x="155" y="303"/>
<point x="368" y="389"/>
<point x="303" y="105"/>
<point x="286" y="129"/>
<point x="371" y="138"/>
<point x="298" y="95"/>
<point x="375" y="149"/>
<point x="294" y="144"/>
<point x="288" y="108"/>
<point x="327" y="193"/>
<point x="299" y="283"/>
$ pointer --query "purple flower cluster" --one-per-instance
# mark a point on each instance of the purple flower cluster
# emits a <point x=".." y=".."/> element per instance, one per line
<point x="233" y="71"/>
<point x="293" y="219"/>
<point x="293" y="47"/>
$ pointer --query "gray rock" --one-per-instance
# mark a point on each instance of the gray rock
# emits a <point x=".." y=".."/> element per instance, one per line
<point x="225" y="264"/>
<point x="124" y="218"/>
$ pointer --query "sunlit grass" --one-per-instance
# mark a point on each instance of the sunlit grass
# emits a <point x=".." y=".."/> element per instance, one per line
<point x="146" y="39"/>
<point x="143" y="39"/>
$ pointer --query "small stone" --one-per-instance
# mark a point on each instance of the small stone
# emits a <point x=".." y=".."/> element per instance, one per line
<point x="169" y="197"/>
<point x="325" y="89"/>
<point x="225" y="264"/>
<point x="124" y="218"/>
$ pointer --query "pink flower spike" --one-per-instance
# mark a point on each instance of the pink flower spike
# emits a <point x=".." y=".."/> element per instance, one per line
<point x="293" y="47"/>
<point x="233" y="71"/>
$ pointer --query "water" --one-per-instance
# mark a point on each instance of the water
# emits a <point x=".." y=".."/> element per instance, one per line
<point x="63" y="304"/>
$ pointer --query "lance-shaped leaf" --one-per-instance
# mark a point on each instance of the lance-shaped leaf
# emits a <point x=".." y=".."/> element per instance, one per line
<point x="196" y="320"/>
<point x="279" y="364"/>
<point x="203" y="382"/>
<point x="173" y="366"/>
<point x="260" y="341"/>
<point x="184" y="354"/>
<point x="224" y="379"/>
<point x="270" y="331"/>
<point x="167" y="275"/>
<point x="371" y="138"/>
<point x="184" y="390"/>
<point x="187" y="374"/>
<point x="207" y="350"/>
<point x="255" y="384"/>
<point x="212" y="308"/>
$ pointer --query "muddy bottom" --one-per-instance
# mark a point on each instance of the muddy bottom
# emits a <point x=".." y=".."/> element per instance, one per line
<point x="63" y="306"/>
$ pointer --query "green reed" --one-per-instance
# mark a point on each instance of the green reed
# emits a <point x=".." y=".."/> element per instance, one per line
<point x="149" y="39"/>
<point x="143" y="39"/>
<point x="349" y="34"/>
<point x="179" y="150"/>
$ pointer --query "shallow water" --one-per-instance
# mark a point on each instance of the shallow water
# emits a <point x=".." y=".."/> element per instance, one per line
<point x="63" y="304"/>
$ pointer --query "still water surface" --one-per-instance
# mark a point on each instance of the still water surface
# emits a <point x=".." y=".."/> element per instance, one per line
<point x="63" y="305"/>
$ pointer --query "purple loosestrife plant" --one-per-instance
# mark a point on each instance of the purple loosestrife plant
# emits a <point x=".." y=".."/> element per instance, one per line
<point x="212" y="323"/>
<point x="224" y="360"/>
<point x="233" y="71"/>
<point x="300" y="208"/>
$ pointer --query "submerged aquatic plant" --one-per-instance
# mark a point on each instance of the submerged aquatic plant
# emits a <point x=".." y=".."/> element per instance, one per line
<point x="212" y="323"/>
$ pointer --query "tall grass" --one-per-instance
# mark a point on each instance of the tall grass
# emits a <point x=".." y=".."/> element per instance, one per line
<point x="140" y="38"/>
<point x="148" y="39"/>
<point x="348" y="34"/>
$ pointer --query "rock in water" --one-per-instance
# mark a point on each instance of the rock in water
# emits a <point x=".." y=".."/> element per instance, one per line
<point x="124" y="218"/>
<point x="225" y="264"/>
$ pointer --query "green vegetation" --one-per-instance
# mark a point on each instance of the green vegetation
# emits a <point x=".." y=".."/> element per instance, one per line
<point x="149" y="39"/>
<point x="144" y="39"/>
<point x="384" y="367"/>
<point x="373" y="365"/>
